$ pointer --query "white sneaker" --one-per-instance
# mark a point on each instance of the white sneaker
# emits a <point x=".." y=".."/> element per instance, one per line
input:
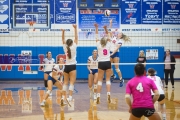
<point x="70" y="108"/>
<point x="63" y="102"/>
<point x="42" y="103"/>
<point x="95" y="97"/>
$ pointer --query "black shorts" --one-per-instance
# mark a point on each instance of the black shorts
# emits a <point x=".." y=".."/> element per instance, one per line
<point x="104" y="65"/>
<point x="161" y="97"/>
<point x="69" y="68"/>
<point x="139" y="112"/>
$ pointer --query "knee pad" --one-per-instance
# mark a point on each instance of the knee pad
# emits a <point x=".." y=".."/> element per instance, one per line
<point x="65" y="87"/>
<point x="108" y="82"/>
<point x="48" y="92"/>
<point x="95" y="86"/>
<point x="71" y="87"/>
<point x="100" y="83"/>
<point x="117" y="70"/>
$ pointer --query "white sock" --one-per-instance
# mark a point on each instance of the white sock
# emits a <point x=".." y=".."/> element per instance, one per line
<point x="98" y="94"/>
<point x="108" y="93"/>
<point x="163" y="115"/>
<point x="63" y="97"/>
<point x="70" y="98"/>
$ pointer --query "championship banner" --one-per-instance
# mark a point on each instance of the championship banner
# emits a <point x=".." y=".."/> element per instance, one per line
<point x="65" y="12"/>
<point x="151" y="12"/>
<point x="131" y="12"/>
<point x="88" y="17"/>
<point x="4" y="16"/>
<point x="171" y="12"/>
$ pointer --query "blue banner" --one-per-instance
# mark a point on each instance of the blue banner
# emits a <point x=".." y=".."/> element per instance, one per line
<point x="23" y="1"/>
<point x="171" y="12"/>
<point x="40" y="1"/>
<point x="131" y="12"/>
<point x="65" y="12"/>
<point x="4" y="16"/>
<point x="151" y="12"/>
<point x="87" y="18"/>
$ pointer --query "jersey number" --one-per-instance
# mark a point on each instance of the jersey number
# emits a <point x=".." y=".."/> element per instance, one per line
<point x="139" y="87"/>
<point x="104" y="52"/>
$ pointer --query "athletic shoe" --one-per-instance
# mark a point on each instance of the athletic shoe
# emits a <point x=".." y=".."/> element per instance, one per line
<point x="109" y="99"/>
<point x="113" y="77"/>
<point x="42" y="103"/>
<point x="98" y="100"/>
<point x="121" y="83"/>
<point x="63" y="103"/>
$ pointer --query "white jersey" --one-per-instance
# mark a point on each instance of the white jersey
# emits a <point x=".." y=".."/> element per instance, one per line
<point x="48" y="61"/>
<point x="103" y="52"/>
<point x="158" y="82"/>
<point x="73" y="54"/>
<point x="115" y="43"/>
<point x="58" y="70"/>
<point x="93" y="62"/>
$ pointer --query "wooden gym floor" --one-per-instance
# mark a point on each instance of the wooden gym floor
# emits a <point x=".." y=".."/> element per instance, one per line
<point x="20" y="100"/>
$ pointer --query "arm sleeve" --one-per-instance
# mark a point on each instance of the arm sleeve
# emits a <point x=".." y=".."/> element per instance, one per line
<point x="55" y="68"/>
<point x="89" y="60"/>
<point x="160" y="81"/>
<point x="153" y="86"/>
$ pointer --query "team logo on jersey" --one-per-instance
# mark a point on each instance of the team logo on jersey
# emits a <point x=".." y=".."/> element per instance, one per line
<point x="131" y="5"/>
<point x="152" y="6"/>
<point x="173" y="6"/>
<point x="65" y="4"/>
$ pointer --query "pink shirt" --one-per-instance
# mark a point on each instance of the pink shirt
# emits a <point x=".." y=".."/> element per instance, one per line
<point x="140" y="88"/>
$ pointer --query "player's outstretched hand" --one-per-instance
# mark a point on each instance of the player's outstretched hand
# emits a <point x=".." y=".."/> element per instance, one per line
<point x="95" y="25"/>
<point x="105" y="27"/>
<point x="110" y="20"/>
<point x="74" y="26"/>
<point x="62" y="29"/>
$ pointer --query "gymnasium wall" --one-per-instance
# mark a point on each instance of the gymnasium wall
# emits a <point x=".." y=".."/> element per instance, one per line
<point x="128" y="55"/>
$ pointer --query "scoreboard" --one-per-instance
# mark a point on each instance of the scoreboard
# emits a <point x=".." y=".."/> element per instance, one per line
<point x="98" y="3"/>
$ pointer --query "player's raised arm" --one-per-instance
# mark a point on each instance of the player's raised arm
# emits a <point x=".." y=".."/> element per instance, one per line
<point x="96" y="32"/>
<point x="107" y="33"/>
<point x="63" y="37"/>
<point x="76" y="34"/>
<point x="110" y="26"/>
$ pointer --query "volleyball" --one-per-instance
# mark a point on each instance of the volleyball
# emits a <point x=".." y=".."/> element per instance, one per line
<point x="107" y="12"/>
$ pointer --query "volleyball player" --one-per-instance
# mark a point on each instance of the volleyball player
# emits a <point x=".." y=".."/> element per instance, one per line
<point x="116" y="43"/>
<point x="104" y="64"/>
<point x="93" y="72"/>
<point x="70" y="47"/>
<point x="158" y="82"/>
<point x="142" y="59"/>
<point x="47" y="68"/>
<point x="57" y="72"/>
<point x="140" y="88"/>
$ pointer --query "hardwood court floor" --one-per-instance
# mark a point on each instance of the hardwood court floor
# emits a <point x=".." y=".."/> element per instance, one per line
<point x="20" y="101"/>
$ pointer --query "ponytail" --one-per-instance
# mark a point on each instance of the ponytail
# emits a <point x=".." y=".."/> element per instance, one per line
<point x="69" y="42"/>
<point x="125" y="38"/>
<point x="69" y="52"/>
